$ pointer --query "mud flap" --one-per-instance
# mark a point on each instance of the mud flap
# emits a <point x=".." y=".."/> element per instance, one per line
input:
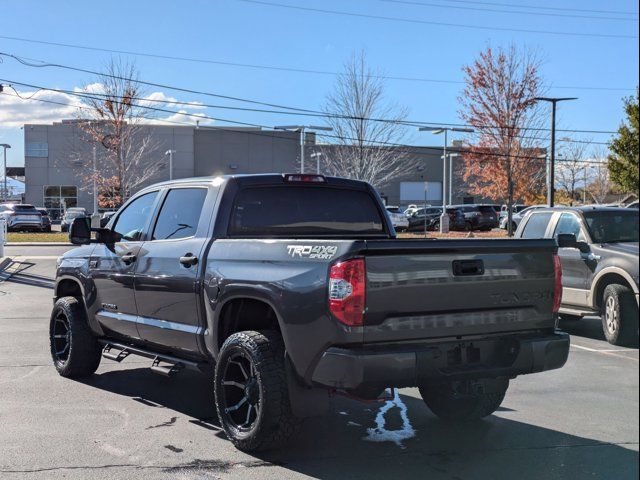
<point x="305" y="401"/>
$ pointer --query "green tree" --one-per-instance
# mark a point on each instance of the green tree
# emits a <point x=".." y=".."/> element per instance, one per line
<point x="623" y="161"/>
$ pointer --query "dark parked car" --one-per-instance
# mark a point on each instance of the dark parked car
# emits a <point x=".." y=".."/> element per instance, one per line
<point x="428" y="215"/>
<point x="287" y="289"/>
<point x="69" y="216"/>
<point x="46" y="220"/>
<point x="22" y="217"/>
<point x="599" y="254"/>
<point x="479" y="217"/>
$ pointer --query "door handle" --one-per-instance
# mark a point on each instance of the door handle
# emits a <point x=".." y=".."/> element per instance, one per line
<point x="129" y="258"/>
<point x="188" y="260"/>
<point x="591" y="257"/>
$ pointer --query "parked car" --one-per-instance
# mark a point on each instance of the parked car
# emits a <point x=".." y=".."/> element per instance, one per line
<point x="412" y="208"/>
<point x="286" y="289"/>
<point x="517" y="208"/>
<point x="633" y="205"/>
<point x="69" y="215"/>
<point x="517" y="217"/>
<point x="398" y="218"/>
<point x="479" y="217"/>
<point x="417" y="219"/>
<point x="104" y="219"/>
<point x="22" y="217"/>
<point x="457" y="220"/>
<point x="46" y="220"/>
<point x="599" y="254"/>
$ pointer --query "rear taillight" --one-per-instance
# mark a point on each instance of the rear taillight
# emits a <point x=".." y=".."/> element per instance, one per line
<point x="557" y="286"/>
<point x="347" y="291"/>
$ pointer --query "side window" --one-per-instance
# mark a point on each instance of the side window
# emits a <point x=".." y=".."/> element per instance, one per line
<point x="537" y="225"/>
<point x="180" y="213"/>
<point x="131" y="222"/>
<point x="569" y="223"/>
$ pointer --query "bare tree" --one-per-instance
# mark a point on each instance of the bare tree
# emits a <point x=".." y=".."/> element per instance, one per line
<point x="572" y="168"/>
<point x="504" y="162"/>
<point x="365" y="149"/>
<point x="600" y="185"/>
<point x="113" y="123"/>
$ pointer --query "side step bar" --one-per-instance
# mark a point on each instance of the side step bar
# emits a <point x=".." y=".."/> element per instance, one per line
<point x="163" y="364"/>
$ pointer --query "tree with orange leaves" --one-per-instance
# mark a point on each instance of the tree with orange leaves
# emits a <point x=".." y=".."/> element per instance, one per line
<point x="505" y="162"/>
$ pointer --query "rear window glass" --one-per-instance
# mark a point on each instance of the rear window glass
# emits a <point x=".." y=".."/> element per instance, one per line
<point x="180" y="213"/>
<point x="25" y="208"/>
<point x="487" y="210"/>
<point x="536" y="227"/>
<point x="304" y="210"/>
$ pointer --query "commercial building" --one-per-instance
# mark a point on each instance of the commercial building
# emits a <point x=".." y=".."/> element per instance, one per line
<point x="57" y="161"/>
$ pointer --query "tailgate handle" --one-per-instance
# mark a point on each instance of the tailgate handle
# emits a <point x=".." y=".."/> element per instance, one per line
<point x="468" y="267"/>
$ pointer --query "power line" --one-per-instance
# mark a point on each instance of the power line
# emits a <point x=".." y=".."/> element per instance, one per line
<point x="517" y="12"/>
<point x="303" y="110"/>
<point x="539" y="7"/>
<point x="373" y="144"/>
<point x="429" y="22"/>
<point x="286" y="69"/>
<point x="283" y="112"/>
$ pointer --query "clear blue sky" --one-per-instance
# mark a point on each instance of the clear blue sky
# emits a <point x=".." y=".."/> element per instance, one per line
<point x="250" y="33"/>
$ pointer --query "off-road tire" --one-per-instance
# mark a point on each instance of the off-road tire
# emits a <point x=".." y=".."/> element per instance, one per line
<point x="275" y="423"/>
<point x="83" y="352"/>
<point x="443" y="400"/>
<point x="619" y="315"/>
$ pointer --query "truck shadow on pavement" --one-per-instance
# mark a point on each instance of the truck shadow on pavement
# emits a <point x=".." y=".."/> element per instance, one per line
<point x="588" y="327"/>
<point x="15" y="273"/>
<point x="336" y="445"/>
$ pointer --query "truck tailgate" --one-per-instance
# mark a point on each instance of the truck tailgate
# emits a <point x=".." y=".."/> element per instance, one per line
<point x="422" y="289"/>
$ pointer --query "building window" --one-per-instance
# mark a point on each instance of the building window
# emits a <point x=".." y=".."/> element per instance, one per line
<point x="57" y="198"/>
<point x="35" y="149"/>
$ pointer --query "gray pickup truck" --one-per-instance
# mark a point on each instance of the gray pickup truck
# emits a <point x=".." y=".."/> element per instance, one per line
<point x="599" y="256"/>
<point x="288" y="289"/>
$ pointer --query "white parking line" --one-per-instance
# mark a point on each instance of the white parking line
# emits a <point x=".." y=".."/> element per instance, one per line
<point x="610" y="352"/>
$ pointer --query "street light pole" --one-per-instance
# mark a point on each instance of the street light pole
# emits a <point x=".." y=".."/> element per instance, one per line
<point x="317" y="156"/>
<point x="302" y="129"/>
<point x="551" y="188"/>
<point x="5" y="191"/>
<point x="95" y="183"/>
<point x="444" y="218"/>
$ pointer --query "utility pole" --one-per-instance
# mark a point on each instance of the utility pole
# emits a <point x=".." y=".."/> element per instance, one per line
<point x="5" y="191"/>
<point x="551" y="188"/>
<point x="95" y="183"/>
<point x="302" y="129"/>
<point x="444" y="218"/>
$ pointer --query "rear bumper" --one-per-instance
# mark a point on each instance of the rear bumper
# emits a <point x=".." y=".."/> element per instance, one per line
<point x="407" y="366"/>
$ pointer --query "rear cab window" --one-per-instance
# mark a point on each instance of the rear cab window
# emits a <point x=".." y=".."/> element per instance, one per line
<point x="297" y="210"/>
<point x="536" y="226"/>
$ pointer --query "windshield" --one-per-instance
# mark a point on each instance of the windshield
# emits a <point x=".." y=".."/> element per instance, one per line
<point x="612" y="226"/>
<point x="74" y="214"/>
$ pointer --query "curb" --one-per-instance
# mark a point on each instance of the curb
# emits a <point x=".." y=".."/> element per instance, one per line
<point x="38" y="244"/>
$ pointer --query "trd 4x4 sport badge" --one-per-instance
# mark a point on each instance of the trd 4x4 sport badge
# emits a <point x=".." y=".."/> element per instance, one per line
<point x="321" y="252"/>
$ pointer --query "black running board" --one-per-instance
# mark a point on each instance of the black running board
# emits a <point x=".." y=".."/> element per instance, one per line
<point x="163" y="364"/>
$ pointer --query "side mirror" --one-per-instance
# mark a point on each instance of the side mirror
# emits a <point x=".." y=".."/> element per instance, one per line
<point x="80" y="231"/>
<point x="569" y="240"/>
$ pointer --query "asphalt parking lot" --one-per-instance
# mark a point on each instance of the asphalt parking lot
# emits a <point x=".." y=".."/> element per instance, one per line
<point x="126" y="422"/>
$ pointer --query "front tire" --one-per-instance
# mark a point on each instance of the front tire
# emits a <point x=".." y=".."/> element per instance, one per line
<point x="75" y="350"/>
<point x="251" y="391"/>
<point x="465" y="401"/>
<point x="619" y="315"/>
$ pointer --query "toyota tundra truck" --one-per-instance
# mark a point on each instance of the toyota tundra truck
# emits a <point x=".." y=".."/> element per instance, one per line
<point x="287" y="289"/>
